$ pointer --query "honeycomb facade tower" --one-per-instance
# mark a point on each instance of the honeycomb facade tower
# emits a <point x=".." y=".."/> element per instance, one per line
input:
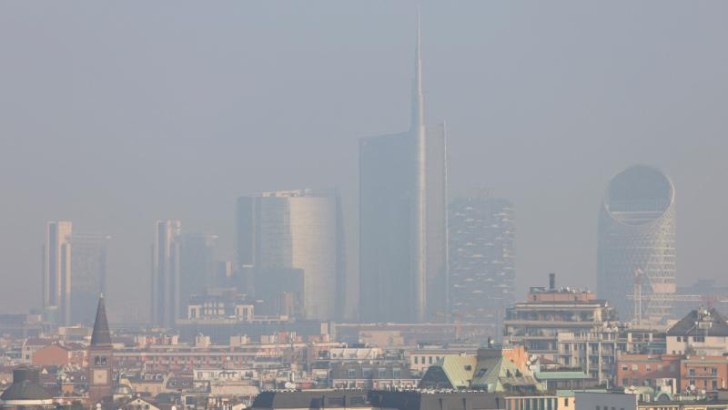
<point x="636" y="250"/>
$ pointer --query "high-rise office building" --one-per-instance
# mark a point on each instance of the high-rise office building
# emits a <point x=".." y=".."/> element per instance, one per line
<point x="281" y="233"/>
<point x="57" y="272"/>
<point x="402" y="220"/>
<point x="88" y="264"/>
<point x="636" y="254"/>
<point x="482" y="272"/>
<point x="197" y="266"/>
<point x="165" y="273"/>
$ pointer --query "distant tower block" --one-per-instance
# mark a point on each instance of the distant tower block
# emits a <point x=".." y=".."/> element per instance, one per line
<point x="57" y="272"/>
<point x="637" y="234"/>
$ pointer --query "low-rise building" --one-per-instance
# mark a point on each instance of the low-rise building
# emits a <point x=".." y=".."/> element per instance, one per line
<point x="647" y="370"/>
<point x="703" y="373"/>
<point x="492" y="370"/>
<point x="702" y="331"/>
<point x="605" y="401"/>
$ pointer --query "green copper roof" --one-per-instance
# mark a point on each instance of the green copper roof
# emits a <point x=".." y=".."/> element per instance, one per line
<point x="459" y="369"/>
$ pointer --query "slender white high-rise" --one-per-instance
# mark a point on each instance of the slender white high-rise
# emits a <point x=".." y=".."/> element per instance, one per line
<point x="420" y="232"/>
<point x="166" y="273"/>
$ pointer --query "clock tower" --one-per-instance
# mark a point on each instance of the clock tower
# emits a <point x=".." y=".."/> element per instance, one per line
<point x="99" y="358"/>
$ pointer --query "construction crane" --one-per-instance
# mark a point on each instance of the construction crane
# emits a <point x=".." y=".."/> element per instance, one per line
<point x="643" y="299"/>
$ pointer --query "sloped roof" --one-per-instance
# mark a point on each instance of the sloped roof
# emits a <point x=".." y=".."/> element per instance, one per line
<point x="101" y="335"/>
<point x="700" y="322"/>
<point x="497" y="374"/>
<point x="25" y="387"/>
<point x="489" y="371"/>
<point x="25" y="390"/>
<point x="460" y="369"/>
<point x="455" y="372"/>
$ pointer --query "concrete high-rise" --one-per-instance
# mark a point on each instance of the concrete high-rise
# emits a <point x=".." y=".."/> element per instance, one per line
<point x="280" y="233"/>
<point x="482" y="256"/>
<point x="88" y="264"/>
<point x="636" y="253"/>
<point x="197" y="266"/>
<point x="57" y="272"/>
<point x="402" y="220"/>
<point x="165" y="273"/>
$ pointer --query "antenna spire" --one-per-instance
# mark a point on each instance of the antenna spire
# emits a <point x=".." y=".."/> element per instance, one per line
<point x="418" y="100"/>
<point x="420" y="233"/>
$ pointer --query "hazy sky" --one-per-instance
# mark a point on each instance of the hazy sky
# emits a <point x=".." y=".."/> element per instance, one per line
<point x="116" y="114"/>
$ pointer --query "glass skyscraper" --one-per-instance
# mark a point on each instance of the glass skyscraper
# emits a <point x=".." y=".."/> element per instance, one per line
<point x="281" y="233"/>
<point x="166" y="273"/>
<point x="636" y="254"/>
<point x="57" y="272"/>
<point x="403" y="220"/>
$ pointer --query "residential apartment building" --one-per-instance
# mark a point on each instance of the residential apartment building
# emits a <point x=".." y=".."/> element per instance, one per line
<point x="703" y="331"/>
<point x="482" y="259"/>
<point x="565" y="325"/>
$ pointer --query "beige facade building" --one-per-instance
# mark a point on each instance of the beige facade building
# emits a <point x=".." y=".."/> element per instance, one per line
<point x="295" y="230"/>
<point x="57" y="272"/>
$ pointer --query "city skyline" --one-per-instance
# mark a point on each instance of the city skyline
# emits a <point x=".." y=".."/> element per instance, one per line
<point x="366" y="205"/>
<point x="545" y="137"/>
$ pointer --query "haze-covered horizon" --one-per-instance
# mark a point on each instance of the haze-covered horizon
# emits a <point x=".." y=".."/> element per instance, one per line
<point x="115" y="115"/>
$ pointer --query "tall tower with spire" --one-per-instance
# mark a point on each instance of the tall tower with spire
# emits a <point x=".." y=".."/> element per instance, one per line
<point x="402" y="219"/>
<point x="100" y="355"/>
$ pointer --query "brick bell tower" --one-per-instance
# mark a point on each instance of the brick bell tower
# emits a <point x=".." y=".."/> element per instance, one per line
<point x="100" y="353"/>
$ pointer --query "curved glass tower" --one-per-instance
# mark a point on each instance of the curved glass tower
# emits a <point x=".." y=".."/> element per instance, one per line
<point x="636" y="253"/>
